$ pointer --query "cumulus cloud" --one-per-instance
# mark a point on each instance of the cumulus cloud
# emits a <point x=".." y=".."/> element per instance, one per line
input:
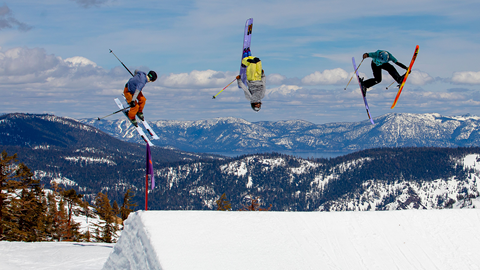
<point x="467" y="77"/>
<point x="204" y="79"/>
<point x="275" y="79"/>
<point x="25" y="65"/>
<point x="283" y="89"/>
<point x="329" y="76"/>
<point x="90" y="3"/>
<point x="8" y="21"/>
<point x="419" y="78"/>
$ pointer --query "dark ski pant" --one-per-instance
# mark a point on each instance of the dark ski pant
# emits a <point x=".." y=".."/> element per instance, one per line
<point x="377" y="74"/>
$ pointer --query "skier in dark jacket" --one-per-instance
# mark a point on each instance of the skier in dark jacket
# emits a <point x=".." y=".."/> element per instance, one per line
<point x="255" y="81"/>
<point x="133" y="93"/>
<point x="380" y="61"/>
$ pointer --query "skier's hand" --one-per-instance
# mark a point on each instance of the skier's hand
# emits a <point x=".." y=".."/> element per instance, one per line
<point x="365" y="55"/>
<point x="238" y="77"/>
<point x="132" y="104"/>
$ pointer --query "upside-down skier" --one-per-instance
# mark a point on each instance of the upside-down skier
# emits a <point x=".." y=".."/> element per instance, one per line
<point x="133" y="93"/>
<point x="256" y="87"/>
<point x="380" y="60"/>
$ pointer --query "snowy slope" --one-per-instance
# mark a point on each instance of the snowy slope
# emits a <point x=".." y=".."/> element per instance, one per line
<point x="53" y="255"/>
<point x="413" y="239"/>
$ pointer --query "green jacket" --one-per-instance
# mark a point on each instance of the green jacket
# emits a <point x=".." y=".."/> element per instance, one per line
<point x="379" y="60"/>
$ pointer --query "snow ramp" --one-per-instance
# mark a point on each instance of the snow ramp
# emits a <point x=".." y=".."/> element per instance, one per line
<point x="410" y="239"/>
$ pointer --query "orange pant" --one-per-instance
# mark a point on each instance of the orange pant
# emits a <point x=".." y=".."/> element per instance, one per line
<point x="138" y="105"/>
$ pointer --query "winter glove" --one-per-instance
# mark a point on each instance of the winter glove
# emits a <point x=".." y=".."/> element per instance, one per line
<point x="132" y="104"/>
<point x="238" y="77"/>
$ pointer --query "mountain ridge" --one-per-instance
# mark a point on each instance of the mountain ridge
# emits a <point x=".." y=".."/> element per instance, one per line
<point x="228" y="134"/>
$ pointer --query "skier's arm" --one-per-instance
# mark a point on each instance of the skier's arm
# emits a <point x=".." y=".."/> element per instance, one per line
<point x="135" y="96"/>
<point x="248" y="95"/>
<point x="264" y="82"/>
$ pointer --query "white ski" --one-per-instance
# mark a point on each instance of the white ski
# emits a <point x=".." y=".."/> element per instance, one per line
<point x="139" y="129"/>
<point x="149" y="129"/>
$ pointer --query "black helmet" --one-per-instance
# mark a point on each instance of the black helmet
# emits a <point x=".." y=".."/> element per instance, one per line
<point x="254" y="106"/>
<point x="152" y="75"/>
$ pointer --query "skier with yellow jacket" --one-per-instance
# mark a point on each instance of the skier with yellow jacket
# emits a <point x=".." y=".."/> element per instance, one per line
<point x="256" y="87"/>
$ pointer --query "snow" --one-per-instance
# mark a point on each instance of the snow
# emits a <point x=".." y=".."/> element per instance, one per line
<point x="53" y="255"/>
<point x="170" y="240"/>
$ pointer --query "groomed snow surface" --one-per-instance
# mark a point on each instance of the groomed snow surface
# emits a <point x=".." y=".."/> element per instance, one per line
<point x="168" y="240"/>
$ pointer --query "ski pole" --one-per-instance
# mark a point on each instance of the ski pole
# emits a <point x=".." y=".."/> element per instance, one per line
<point x="224" y="88"/>
<point x="100" y="118"/>
<point x="390" y="85"/>
<point x="121" y="63"/>
<point x="353" y="74"/>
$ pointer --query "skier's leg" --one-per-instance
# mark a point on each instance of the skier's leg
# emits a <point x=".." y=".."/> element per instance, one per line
<point x="141" y="103"/>
<point x="393" y="72"/>
<point x="377" y="76"/>
<point x="133" y="110"/>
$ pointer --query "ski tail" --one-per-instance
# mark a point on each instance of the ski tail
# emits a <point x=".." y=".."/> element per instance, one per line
<point x="361" y="86"/>
<point x="409" y="70"/>
<point x="247" y="39"/>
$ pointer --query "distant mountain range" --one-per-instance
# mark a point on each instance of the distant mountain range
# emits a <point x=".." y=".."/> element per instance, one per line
<point x="79" y="156"/>
<point x="237" y="135"/>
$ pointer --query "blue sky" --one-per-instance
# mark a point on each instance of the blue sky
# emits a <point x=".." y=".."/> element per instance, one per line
<point x="55" y="56"/>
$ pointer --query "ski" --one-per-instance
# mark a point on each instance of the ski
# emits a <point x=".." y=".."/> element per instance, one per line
<point x="149" y="129"/>
<point x="361" y="86"/>
<point x="247" y="38"/>
<point x="406" y="76"/>
<point x="139" y="129"/>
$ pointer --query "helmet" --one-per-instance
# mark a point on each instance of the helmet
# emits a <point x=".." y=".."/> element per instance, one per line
<point x="256" y="106"/>
<point x="152" y="75"/>
<point x="383" y="56"/>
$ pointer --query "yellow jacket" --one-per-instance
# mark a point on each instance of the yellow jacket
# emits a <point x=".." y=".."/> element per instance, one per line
<point x="254" y="68"/>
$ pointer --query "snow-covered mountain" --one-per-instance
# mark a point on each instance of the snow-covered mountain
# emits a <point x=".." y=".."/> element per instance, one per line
<point x="237" y="135"/>
<point x="80" y="156"/>
<point x="377" y="179"/>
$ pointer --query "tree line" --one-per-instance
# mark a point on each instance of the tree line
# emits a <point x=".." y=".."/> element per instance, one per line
<point x="28" y="212"/>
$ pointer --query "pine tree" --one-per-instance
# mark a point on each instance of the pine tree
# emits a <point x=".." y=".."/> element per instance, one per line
<point x="71" y="198"/>
<point x="108" y="227"/>
<point x="22" y="202"/>
<point x="223" y="204"/>
<point x="127" y="206"/>
<point x="7" y="185"/>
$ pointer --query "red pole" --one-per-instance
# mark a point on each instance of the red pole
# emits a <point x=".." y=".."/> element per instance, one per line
<point x="146" y="192"/>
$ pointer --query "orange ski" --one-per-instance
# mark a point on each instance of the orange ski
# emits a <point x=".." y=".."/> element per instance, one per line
<point x="406" y="76"/>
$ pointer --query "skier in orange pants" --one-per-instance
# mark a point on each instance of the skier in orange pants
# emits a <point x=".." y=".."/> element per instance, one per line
<point x="134" y="96"/>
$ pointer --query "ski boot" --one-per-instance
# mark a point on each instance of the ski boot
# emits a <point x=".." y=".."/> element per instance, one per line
<point x="140" y="115"/>
<point x="134" y="122"/>
<point x="364" y="89"/>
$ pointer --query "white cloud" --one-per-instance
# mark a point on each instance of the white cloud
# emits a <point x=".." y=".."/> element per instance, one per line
<point x="203" y="79"/>
<point x="80" y="61"/>
<point x="283" y="89"/>
<point x="275" y="79"/>
<point x="419" y="78"/>
<point x="329" y="76"/>
<point x="467" y="77"/>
